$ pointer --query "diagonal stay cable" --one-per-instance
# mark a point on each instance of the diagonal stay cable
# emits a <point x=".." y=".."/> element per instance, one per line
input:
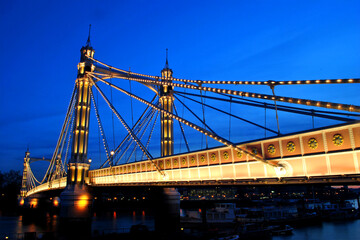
<point x="151" y="132"/>
<point x="148" y="155"/>
<point x="129" y="140"/>
<point x="271" y="106"/>
<point x="52" y="162"/>
<point x="143" y="129"/>
<point x="195" y="115"/>
<point x="192" y="125"/>
<point x="102" y="132"/>
<point x="232" y="115"/>
<point x="128" y="135"/>
<point x="297" y="108"/>
<point x="182" y="131"/>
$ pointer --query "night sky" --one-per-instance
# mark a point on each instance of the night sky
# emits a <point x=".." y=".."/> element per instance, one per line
<point x="207" y="40"/>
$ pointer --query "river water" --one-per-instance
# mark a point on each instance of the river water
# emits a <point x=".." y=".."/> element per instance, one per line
<point x="14" y="227"/>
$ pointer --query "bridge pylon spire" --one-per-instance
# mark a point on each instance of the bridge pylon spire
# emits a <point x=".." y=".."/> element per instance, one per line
<point x="166" y="101"/>
<point x="75" y="199"/>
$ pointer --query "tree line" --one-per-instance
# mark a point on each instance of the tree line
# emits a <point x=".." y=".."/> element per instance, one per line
<point x="10" y="184"/>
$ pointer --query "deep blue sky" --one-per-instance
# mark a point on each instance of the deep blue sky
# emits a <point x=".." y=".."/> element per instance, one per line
<point x="208" y="40"/>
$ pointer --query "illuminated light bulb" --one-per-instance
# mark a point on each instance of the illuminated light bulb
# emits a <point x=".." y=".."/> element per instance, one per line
<point x="112" y="153"/>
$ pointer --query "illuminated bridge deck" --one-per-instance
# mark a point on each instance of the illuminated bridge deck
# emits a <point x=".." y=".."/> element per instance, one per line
<point x="329" y="155"/>
<point x="315" y="154"/>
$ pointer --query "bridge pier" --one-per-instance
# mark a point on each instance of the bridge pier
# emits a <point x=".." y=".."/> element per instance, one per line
<point x="167" y="211"/>
<point x="76" y="204"/>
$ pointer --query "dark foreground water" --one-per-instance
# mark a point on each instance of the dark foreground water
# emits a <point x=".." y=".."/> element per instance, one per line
<point x="15" y="227"/>
<point x="339" y="230"/>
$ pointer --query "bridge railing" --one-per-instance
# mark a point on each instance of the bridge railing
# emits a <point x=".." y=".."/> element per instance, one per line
<point x="55" y="184"/>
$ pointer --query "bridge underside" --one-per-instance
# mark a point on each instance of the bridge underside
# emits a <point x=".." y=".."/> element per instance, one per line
<point x="323" y="156"/>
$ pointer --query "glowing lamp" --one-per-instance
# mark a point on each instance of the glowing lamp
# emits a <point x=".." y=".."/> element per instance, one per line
<point x="83" y="201"/>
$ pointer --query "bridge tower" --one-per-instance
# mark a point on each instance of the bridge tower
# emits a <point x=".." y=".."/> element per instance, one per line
<point x="167" y="219"/>
<point x="23" y="189"/>
<point x="75" y="199"/>
<point x="166" y="101"/>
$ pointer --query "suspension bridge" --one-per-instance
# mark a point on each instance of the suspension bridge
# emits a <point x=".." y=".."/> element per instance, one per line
<point x="329" y="154"/>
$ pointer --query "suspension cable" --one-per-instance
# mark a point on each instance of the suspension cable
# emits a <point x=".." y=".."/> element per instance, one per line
<point x="307" y="102"/>
<point x="112" y="117"/>
<point x="277" y="117"/>
<point x="203" y="112"/>
<point x="286" y="82"/>
<point x="230" y="120"/>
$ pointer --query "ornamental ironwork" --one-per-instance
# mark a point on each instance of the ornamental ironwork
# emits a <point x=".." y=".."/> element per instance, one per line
<point x="226" y="155"/>
<point x="313" y="143"/>
<point x="213" y="157"/>
<point x="338" y="139"/>
<point x="254" y="150"/>
<point x="271" y="149"/>
<point x="290" y="146"/>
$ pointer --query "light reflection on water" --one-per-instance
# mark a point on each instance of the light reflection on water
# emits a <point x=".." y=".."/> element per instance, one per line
<point x="116" y="221"/>
<point x="108" y="222"/>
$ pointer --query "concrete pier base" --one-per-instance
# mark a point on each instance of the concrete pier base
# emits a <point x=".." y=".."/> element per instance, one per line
<point x="76" y="203"/>
<point x="75" y="213"/>
<point x="167" y="215"/>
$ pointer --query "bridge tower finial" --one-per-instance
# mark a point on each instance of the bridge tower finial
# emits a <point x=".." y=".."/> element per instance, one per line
<point x="167" y="62"/>
<point x="88" y="44"/>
